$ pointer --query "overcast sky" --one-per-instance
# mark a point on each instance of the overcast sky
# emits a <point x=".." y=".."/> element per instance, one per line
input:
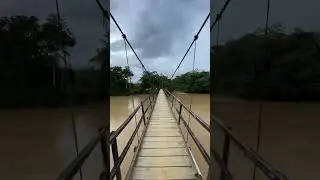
<point x="160" y="32"/>
<point x="245" y="16"/>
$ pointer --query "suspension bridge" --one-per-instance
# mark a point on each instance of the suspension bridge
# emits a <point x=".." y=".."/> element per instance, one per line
<point x="162" y="151"/>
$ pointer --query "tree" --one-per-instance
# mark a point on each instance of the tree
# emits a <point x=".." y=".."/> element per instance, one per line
<point x="58" y="38"/>
<point x="101" y="59"/>
<point x="274" y="66"/>
<point x="192" y="82"/>
<point x="27" y="52"/>
<point x="151" y="80"/>
<point x="119" y="80"/>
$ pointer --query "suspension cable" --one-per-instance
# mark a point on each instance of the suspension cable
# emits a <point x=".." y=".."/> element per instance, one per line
<point x="195" y="38"/>
<point x="266" y="31"/>
<point x="130" y="87"/>
<point x="191" y="97"/>
<point x="105" y="13"/>
<point x="218" y="33"/>
<point x="125" y="38"/>
<point x="219" y="15"/>
<point x="267" y="17"/>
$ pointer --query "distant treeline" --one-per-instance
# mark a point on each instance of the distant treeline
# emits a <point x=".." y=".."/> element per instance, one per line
<point x="272" y="66"/>
<point x="190" y="82"/>
<point x="34" y="70"/>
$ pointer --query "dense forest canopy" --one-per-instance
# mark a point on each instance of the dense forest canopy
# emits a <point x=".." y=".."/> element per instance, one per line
<point x="272" y="66"/>
<point x="191" y="82"/>
<point x="29" y="51"/>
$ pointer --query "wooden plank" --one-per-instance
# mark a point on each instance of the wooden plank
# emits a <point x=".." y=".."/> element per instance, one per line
<point x="161" y="144"/>
<point x="171" y="117"/>
<point x="162" y="122"/>
<point x="164" y="173"/>
<point x="163" y="134"/>
<point x="163" y="130"/>
<point x="177" y="161"/>
<point x="170" y="124"/>
<point x="163" y="126"/>
<point x="164" y="152"/>
<point x="166" y="139"/>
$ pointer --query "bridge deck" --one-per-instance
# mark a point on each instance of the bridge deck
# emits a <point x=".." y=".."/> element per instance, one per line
<point x="163" y="153"/>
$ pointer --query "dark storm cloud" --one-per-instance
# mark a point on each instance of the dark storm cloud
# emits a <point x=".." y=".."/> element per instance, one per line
<point x="160" y="32"/>
<point x="160" y="24"/>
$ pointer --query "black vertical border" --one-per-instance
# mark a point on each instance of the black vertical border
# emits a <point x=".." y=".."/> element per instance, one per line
<point x="106" y="71"/>
<point x="211" y="20"/>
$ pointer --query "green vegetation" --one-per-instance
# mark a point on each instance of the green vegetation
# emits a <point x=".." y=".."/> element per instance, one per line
<point x="30" y="54"/>
<point x="192" y="82"/>
<point x="276" y="66"/>
<point x="119" y="80"/>
<point x="197" y="82"/>
<point x="33" y="65"/>
<point x="34" y="70"/>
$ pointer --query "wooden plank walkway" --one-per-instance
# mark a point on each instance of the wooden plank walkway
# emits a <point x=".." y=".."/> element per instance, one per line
<point x="163" y="153"/>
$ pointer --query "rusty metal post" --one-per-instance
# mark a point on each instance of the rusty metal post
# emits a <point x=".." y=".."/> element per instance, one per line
<point x="172" y="102"/>
<point x="104" y="150"/>
<point x="143" y="115"/>
<point x="75" y="134"/>
<point x="150" y="101"/>
<point x="180" y="109"/>
<point x="114" y="147"/>
<point x="225" y="155"/>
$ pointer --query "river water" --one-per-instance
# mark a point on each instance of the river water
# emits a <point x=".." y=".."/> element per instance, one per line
<point x="38" y="144"/>
<point x="289" y="136"/>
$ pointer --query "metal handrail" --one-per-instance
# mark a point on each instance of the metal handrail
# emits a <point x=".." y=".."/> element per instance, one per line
<point x="116" y="171"/>
<point x="126" y="122"/>
<point x="202" y="122"/>
<point x="195" y="139"/>
<point x="74" y="166"/>
<point x="266" y="168"/>
<point x="69" y="172"/>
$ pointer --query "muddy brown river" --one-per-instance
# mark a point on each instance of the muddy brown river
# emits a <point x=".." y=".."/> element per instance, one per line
<point x="38" y="144"/>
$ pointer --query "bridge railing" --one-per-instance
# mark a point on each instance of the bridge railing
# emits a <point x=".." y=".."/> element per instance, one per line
<point x="182" y="107"/>
<point x="101" y="138"/>
<point x="268" y="171"/>
<point x="222" y="160"/>
<point x="117" y="160"/>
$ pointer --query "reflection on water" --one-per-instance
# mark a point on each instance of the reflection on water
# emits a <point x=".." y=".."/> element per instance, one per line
<point x="289" y="133"/>
<point x="39" y="144"/>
